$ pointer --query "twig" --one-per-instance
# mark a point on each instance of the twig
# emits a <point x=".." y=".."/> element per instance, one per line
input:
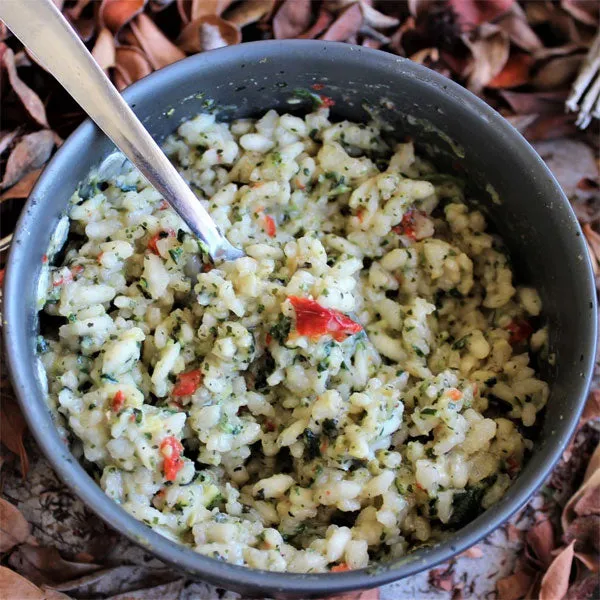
<point x="589" y="98"/>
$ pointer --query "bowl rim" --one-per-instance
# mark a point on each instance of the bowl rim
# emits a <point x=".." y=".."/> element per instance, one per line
<point x="208" y="569"/>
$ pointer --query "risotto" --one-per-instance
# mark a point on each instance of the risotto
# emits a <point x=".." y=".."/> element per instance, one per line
<point x="358" y="385"/>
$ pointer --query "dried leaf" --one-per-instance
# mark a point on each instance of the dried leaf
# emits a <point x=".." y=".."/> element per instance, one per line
<point x="324" y="19"/>
<point x="570" y="161"/>
<point x="166" y="591"/>
<point x="245" y="13"/>
<point x="202" y="8"/>
<point x="514" y="73"/>
<point x="593" y="240"/>
<point x="21" y="189"/>
<point x="104" y="49"/>
<point x="30" y="100"/>
<point x="46" y="566"/>
<point x="589" y="503"/>
<point x="551" y="127"/>
<point x="372" y="594"/>
<point x="540" y="539"/>
<point x="396" y="39"/>
<point x="12" y="430"/>
<point x="292" y="18"/>
<point x="346" y="25"/>
<point x="377" y="19"/>
<point x="541" y="103"/>
<point x="514" y="586"/>
<point x="555" y="582"/>
<point x="14" y="529"/>
<point x="557" y="72"/>
<point x="130" y="65"/>
<point x="475" y="12"/>
<point x="515" y="25"/>
<point x="115" y="14"/>
<point x="490" y="53"/>
<point x="472" y="552"/>
<point x="208" y="33"/>
<point x="442" y="579"/>
<point x="7" y="137"/>
<point x="159" y="50"/>
<point x="425" y="55"/>
<point x="74" y="12"/>
<point x="586" y="11"/>
<point x="585" y="531"/>
<point x="13" y="586"/>
<point x="590" y="561"/>
<point x="30" y="153"/>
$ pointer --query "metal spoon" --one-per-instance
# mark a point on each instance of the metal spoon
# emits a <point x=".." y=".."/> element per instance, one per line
<point x="56" y="46"/>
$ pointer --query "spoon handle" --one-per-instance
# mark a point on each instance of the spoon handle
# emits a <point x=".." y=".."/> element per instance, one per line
<point x="55" y="45"/>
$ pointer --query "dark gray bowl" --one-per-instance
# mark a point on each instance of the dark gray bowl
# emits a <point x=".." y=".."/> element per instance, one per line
<point x="533" y="216"/>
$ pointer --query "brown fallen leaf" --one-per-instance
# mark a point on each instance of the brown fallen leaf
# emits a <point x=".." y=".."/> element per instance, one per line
<point x="324" y="19"/>
<point x="514" y="24"/>
<point x="22" y="188"/>
<point x="115" y="14"/>
<point x="104" y="49"/>
<point x="514" y="586"/>
<point x="377" y="19"/>
<point x="472" y="552"/>
<point x="15" y="587"/>
<point x="584" y="531"/>
<point x="157" y="47"/>
<point x="475" y="12"/>
<point x="292" y="18"/>
<point x="74" y="12"/>
<point x="372" y="594"/>
<point x="12" y="430"/>
<point x="7" y="137"/>
<point x="592" y="406"/>
<point x="46" y="566"/>
<point x="540" y="541"/>
<point x="555" y="582"/>
<point x="425" y="55"/>
<point x="208" y="33"/>
<point x="541" y="103"/>
<point x="166" y="591"/>
<point x="586" y="11"/>
<point x="201" y="8"/>
<point x="346" y="24"/>
<point x="551" y="127"/>
<point x="514" y="73"/>
<point x="131" y="64"/>
<point x="442" y="578"/>
<point x="30" y="100"/>
<point x="490" y="50"/>
<point x="557" y="72"/>
<point x="30" y="153"/>
<point x="14" y="528"/>
<point x="245" y="13"/>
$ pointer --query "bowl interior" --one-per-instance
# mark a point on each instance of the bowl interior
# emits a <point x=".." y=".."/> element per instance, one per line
<point x="507" y="179"/>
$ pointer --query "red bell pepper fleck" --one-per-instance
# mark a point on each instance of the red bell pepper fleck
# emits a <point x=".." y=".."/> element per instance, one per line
<point x="327" y="102"/>
<point x="406" y="226"/>
<point x="163" y="205"/>
<point x="187" y="383"/>
<point x="317" y="86"/>
<point x="520" y="331"/>
<point x="269" y="425"/>
<point x="171" y="450"/>
<point x="270" y="226"/>
<point x="512" y="466"/>
<point x="159" y="236"/>
<point x="45" y="258"/>
<point x="341" y="567"/>
<point x="1" y="276"/>
<point x="118" y="401"/>
<point x="314" y="320"/>
<point x="268" y="338"/>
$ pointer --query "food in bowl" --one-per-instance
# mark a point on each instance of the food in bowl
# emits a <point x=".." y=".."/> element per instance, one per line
<point x="355" y="387"/>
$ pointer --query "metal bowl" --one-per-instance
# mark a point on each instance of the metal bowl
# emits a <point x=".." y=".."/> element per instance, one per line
<point x="507" y="180"/>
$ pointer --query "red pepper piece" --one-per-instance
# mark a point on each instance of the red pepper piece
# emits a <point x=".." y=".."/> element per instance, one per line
<point x="171" y="450"/>
<point x="159" y="236"/>
<point x="314" y="320"/>
<point x="270" y="226"/>
<point x="406" y="226"/>
<point x="317" y="86"/>
<point x="340" y="568"/>
<point x="187" y="383"/>
<point x="520" y="331"/>
<point x="327" y="102"/>
<point x="118" y="401"/>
